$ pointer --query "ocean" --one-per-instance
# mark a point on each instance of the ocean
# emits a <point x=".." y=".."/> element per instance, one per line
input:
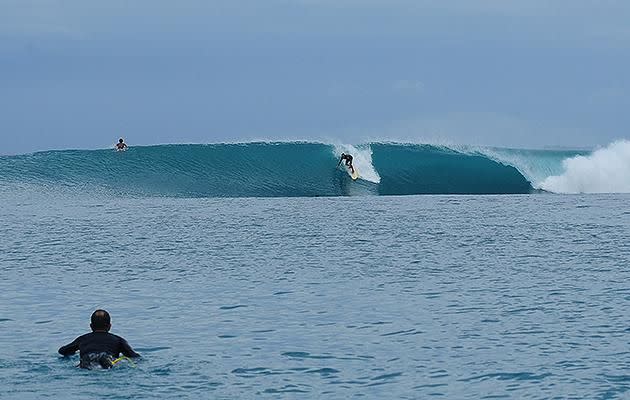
<point x="258" y="270"/>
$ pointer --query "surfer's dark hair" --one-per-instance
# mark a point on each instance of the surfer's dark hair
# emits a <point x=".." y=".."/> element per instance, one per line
<point x="100" y="319"/>
<point x="120" y="140"/>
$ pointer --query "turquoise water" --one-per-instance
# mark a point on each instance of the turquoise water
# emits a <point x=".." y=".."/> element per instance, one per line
<point x="286" y="169"/>
<point x="467" y="297"/>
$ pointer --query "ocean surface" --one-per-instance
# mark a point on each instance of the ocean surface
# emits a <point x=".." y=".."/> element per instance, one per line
<point x="292" y="281"/>
<point x="307" y="169"/>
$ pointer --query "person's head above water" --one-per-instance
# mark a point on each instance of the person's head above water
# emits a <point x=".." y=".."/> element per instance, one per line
<point x="120" y="140"/>
<point x="100" y="321"/>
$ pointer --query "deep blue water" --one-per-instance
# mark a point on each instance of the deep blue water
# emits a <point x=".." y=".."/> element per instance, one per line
<point x="458" y="297"/>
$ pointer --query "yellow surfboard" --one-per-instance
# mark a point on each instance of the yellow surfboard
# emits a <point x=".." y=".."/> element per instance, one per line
<point x="353" y="174"/>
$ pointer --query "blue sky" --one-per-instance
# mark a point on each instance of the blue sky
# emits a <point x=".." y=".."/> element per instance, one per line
<point x="80" y="74"/>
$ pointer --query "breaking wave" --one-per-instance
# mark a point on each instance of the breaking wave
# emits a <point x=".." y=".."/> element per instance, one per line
<point x="284" y="169"/>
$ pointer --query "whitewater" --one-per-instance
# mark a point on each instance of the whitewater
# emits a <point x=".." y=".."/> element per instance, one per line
<point x="307" y="169"/>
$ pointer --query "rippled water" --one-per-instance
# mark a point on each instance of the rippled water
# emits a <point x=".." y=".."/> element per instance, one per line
<point x="383" y="297"/>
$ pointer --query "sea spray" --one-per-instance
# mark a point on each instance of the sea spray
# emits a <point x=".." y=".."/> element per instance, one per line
<point x="534" y="165"/>
<point x="606" y="170"/>
<point x="361" y="159"/>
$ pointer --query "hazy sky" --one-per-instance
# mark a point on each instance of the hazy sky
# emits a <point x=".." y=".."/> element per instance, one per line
<point x="80" y="74"/>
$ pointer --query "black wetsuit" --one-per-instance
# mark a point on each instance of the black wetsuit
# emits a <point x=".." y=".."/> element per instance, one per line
<point x="98" y="347"/>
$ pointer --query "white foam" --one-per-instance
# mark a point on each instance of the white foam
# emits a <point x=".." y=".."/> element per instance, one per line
<point x="606" y="170"/>
<point x="361" y="159"/>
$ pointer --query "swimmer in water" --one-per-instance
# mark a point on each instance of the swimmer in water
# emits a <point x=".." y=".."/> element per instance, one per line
<point x="121" y="145"/>
<point x="99" y="347"/>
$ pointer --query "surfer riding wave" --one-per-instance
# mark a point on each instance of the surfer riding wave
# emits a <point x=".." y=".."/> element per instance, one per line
<point x="348" y="159"/>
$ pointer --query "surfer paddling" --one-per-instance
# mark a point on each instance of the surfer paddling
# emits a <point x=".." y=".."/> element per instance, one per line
<point x="99" y="347"/>
<point x="121" y="145"/>
<point x="348" y="159"/>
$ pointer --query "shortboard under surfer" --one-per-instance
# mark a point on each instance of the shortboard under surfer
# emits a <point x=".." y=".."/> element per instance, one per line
<point x="99" y="348"/>
<point x="121" y="145"/>
<point x="348" y="159"/>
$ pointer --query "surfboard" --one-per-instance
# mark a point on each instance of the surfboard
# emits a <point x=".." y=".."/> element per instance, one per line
<point x="354" y="175"/>
<point x="123" y="358"/>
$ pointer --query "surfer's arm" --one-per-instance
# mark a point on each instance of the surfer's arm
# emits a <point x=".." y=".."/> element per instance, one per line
<point x="126" y="350"/>
<point x="69" y="349"/>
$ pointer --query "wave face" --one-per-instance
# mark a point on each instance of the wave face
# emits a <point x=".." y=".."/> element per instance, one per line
<point x="285" y="169"/>
<point x="426" y="169"/>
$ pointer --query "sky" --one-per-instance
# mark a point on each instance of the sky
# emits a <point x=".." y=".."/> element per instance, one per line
<point x="518" y="73"/>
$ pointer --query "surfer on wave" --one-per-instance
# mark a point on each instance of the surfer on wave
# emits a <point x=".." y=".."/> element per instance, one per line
<point x="121" y="145"/>
<point x="348" y="159"/>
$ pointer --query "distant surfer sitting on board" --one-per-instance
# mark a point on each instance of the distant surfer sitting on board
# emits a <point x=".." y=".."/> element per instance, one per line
<point x="99" y="347"/>
<point x="121" y="145"/>
<point x="348" y="159"/>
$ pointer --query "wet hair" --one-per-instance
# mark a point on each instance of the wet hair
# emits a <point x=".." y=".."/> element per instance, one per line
<point x="100" y="320"/>
<point x="120" y="140"/>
